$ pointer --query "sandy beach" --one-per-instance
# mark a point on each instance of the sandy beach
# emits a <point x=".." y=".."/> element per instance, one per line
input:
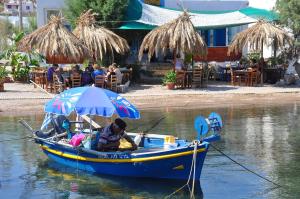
<point x="24" y="99"/>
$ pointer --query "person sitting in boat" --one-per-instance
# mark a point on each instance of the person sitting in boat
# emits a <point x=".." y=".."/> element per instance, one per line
<point x="110" y="137"/>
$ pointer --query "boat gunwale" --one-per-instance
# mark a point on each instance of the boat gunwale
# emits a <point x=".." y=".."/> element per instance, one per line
<point x="189" y="151"/>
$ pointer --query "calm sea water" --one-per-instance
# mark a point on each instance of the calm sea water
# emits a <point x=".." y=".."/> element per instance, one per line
<point x="264" y="139"/>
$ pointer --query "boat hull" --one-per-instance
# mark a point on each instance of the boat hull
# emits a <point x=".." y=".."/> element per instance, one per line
<point x="165" y="164"/>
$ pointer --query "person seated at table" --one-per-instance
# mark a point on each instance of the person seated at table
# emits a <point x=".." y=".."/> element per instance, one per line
<point x="97" y="71"/>
<point x="59" y="73"/>
<point x="110" y="137"/>
<point x="76" y="70"/>
<point x="118" y="73"/>
<point x="86" y="77"/>
<point x="50" y="72"/>
<point x="178" y="63"/>
<point x="90" y="67"/>
<point x="110" y="72"/>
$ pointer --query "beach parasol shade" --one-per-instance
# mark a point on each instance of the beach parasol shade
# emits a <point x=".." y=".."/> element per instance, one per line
<point x="258" y="35"/>
<point x="91" y="100"/>
<point x="178" y="35"/>
<point x="56" y="43"/>
<point x="99" y="40"/>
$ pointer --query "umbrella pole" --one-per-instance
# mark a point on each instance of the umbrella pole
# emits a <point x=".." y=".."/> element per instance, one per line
<point x="90" y="124"/>
<point x="262" y="65"/>
<point x="174" y="57"/>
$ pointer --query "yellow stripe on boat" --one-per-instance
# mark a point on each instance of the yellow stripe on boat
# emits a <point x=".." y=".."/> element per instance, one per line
<point x="180" y="167"/>
<point x="66" y="155"/>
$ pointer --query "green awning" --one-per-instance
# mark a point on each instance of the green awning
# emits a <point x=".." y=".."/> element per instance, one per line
<point x="136" y="26"/>
<point x="142" y="16"/>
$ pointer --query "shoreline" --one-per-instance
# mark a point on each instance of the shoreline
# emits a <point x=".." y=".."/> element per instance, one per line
<point x="23" y="99"/>
<point x="24" y="107"/>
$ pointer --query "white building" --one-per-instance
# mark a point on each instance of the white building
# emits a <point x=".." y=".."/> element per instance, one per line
<point x="15" y="20"/>
<point x="46" y="8"/>
<point x="12" y="7"/>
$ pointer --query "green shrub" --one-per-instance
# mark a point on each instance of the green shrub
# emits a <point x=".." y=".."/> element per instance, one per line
<point x="170" y="77"/>
<point x="3" y="72"/>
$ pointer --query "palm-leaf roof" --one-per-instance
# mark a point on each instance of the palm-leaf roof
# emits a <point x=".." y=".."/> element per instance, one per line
<point x="178" y="35"/>
<point x="262" y="33"/>
<point x="99" y="40"/>
<point x="56" y="43"/>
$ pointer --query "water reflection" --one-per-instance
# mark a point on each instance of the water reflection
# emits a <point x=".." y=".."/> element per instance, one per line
<point x="265" y="139"/>
<point x="69" y="182"/>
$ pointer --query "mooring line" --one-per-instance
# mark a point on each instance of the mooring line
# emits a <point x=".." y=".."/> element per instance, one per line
<point x="191" y="175"/>
<point x="247" y="169"/>
<point x="150" y="128"/>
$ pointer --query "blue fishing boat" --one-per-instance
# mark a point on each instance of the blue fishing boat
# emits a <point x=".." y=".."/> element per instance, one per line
<point x="158" y="156"/>
<point x="154" y="160"/>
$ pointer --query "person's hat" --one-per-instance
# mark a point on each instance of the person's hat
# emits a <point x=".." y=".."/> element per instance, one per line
<point x="120" y="123"/>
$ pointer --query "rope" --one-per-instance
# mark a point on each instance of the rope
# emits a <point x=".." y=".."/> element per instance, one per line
<point x="155" y="124"/>
<point x="192" y="170"/>
<point x="152" y="127"/>
<point x="149" y="122"/>
<point x="194" y="160"/>
<point x="247" y="169"/>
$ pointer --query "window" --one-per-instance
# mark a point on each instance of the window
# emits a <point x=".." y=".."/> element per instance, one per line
<point x="219" y="37"/>
<point x="27" y="7"/>
<point x="205" y="34"/>
<point x="8" y="6"/>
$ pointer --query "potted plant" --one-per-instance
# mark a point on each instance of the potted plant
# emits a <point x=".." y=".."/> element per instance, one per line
<point x="170" y="79"/>
<point x="3" y="74"/>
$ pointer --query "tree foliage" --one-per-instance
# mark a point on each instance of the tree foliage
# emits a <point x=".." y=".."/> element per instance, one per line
<point x="109" y="11"/>
<point x="6" y="29"/>
<point x="289" y="14"/>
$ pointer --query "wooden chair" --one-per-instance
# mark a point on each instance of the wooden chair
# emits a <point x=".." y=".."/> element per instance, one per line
<point x="235" y="79"/>
<point x="100" y="81"/>
<point x="112" y="83"/>
<point x="58" y="86"/>
<point x="40" y="78"/>
<point x="76" y="80"/>
<point x="254" y="78"/>
<point x="197" y="78"/>
<point x="180" y="78"/>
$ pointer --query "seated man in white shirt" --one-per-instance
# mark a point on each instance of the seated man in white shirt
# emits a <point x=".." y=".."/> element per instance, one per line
<point x="118" y="73"/>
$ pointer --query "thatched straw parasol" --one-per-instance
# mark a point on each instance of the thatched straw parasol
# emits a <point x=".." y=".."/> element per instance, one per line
<point x="258" y="35"/>
<point x="178" y="34"/>
<point x="99" y="40"/>
<point x="56" y="43"/>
